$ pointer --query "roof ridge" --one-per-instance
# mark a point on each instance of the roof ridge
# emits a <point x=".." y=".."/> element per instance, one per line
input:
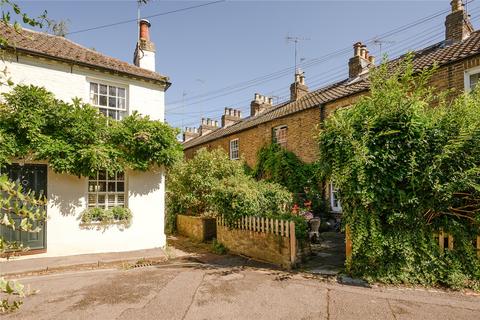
<point x="39" y="42"/>
<point x="44" y="33"/>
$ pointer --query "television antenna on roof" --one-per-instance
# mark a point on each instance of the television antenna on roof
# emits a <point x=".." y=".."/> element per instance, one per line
<point x="295" y="40"/>
<point x="380" y="42"/>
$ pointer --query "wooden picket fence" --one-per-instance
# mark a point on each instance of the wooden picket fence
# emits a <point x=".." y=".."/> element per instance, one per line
<point x="279" y="227"/>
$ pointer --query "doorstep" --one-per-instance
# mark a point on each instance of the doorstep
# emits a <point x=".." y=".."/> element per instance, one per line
<point x="97" y="260"/>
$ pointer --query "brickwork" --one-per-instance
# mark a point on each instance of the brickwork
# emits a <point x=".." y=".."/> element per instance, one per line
<point x="196" y="228"/>
<point x="302" y="128"/>
<point x="267" y="247"/>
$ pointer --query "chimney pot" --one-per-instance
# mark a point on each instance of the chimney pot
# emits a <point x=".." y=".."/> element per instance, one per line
<point x="145" y="30"/>
<point x="372" y="60"/>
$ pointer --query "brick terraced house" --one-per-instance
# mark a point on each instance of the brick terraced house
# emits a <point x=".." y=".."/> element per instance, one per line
<point x="294" y="124"/>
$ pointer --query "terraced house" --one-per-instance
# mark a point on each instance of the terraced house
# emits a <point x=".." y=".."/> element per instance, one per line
<point x="294" y="124"/>
<point x="117" y="89"/>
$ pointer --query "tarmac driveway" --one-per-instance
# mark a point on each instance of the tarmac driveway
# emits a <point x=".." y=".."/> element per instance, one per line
<point x="202" y="292"/>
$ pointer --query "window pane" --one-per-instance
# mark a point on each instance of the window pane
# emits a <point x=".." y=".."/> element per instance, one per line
<point x="102" y="186"/>
<point x="120" y="176"/>
<point x="103" y="111"/>
<point x="121" y="92"/>
<point x="120" y="186"/>
<point x="111" y="187"/>
<point x="94" y="99"/>
<point x="91" y="186"/>
<point x="103" y="89"/>
<point x="102" y="101"/>
<point x="93" y="87"/>
<point x="121" y="104"/>
<point x="474" y="80"/>
<point x="121" y="198"/>
<point x="111" y="200"/>
<point x="112" y="102"/>
<point x="92" y="199"/>
<point x="101" y="199"/>
<point x="102" y="175"/>
<point x="112" y="114"/>
<point x="112" y="91"/>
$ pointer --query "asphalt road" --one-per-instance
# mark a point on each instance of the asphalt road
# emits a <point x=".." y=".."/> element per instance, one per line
<point x="200" y="292"/>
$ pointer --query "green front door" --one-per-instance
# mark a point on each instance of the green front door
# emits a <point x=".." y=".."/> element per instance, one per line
<point x="31" y="177"/>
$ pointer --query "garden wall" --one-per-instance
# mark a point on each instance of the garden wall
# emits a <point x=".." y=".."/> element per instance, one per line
<point x="196" y="228"/>
<point x="263" y="239"/>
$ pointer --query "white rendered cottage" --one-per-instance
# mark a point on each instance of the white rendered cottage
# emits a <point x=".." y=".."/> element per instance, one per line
<point x="117" y="88"/>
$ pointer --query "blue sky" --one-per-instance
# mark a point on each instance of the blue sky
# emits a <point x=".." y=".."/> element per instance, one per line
<point x="211" y="53"/>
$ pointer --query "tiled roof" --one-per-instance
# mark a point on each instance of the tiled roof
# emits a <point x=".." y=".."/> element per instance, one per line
<point x="60" y="48"/>
<point x="440" y="53"/>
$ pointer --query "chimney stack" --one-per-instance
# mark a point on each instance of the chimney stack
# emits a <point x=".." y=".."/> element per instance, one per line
<point x="361" y="61"/>
<point x="190" y="133"/>
<point x="145" y="51"/>
<point x="260" y="104"/>
<point x="230" y="117"/>
<point x="208" y="125"/>
<point x="298" y="89"/>
<point x="458" y="26"/>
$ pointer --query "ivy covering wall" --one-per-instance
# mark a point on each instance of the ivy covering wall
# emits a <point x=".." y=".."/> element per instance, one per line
<point x="76" y="139"/>
<point x="406" y="162"/>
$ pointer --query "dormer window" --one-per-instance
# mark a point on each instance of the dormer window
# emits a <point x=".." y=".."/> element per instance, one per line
<point x="110" y="100"/>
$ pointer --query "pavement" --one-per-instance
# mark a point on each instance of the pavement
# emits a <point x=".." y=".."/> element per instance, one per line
<point x="206" y="292"/>
<point x="188" y="281"/>
<point x="22" y="266"/>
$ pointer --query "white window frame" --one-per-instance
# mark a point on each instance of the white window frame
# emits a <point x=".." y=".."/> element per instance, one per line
<point x="94" y="190"/>
<point x="119" y="112"/>
<point x="467" y="75"/>
<point x="334" y="198"/>
<point x="283" y="142"/>
<point x="234" y="149"/>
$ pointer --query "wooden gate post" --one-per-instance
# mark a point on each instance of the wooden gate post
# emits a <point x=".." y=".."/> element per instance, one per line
<point x="348" y="243"/>
<point x="293" y="244"/>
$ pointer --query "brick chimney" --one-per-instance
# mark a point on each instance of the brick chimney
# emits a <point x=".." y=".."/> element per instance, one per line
<point x="190" y="133"/>
<point x="230" y="117"/>
<point x="145" y="51"/>
<point x="361" y="61"/>
<point x="260" y="104"/>
<point x="298" y="89"/>
<point x="458" y="26"/>
<point x="208" y="125"/>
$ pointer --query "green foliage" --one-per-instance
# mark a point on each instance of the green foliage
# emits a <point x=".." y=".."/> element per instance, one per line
<point x="211" y="184"/>
<point x="276" y="164"/>
<point x="75" y="138"/>
<point x="30" y="208"/>
<point x="107" y="217"/>
<point x="406" y="164"/>
<point x="218" y="247"/>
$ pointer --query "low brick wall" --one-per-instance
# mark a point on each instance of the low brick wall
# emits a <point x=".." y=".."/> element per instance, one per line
<point x="258" y="245"/>
<point x="263" y="239"/>
<point x="197" y="228"/>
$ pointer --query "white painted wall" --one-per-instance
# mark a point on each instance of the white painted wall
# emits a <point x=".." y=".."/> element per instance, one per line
<point x="67" y="82"/>
<point x="67" y="194"/>
<point x="67" y="199"/>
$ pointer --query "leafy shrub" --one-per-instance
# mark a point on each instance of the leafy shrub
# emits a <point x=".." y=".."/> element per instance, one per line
<point x="276" y="164"/>
<point x="218" y="247"/>
<point x="211" y="184"/>
<point x="406" y="164"/>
